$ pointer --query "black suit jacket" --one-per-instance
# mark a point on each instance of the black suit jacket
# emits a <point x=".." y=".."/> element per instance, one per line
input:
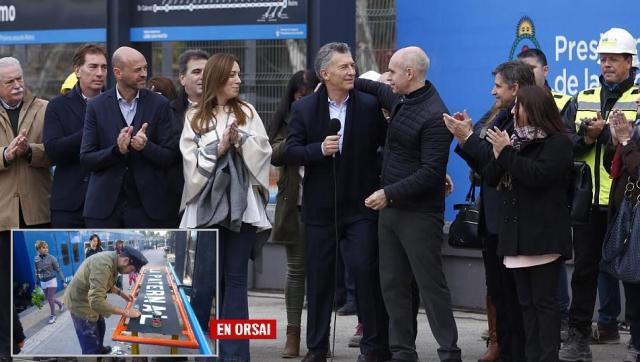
<point x="62" y="135"/>
<point x="358" y="172"/>
<point x="99" y="154"/>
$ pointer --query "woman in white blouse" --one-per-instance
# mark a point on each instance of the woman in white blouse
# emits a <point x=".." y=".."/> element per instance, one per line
<point x="227" y="157"/>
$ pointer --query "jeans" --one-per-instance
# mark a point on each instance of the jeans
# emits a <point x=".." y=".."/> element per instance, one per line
<point x="609" y="297"/>
<point x="235" y="249"/>
<point x="90" y="334"/>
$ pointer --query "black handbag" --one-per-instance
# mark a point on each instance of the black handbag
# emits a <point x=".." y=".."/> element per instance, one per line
<point x="581" y="193"/>
<point x="463" y="231"/>
<point x="621" y="247"/>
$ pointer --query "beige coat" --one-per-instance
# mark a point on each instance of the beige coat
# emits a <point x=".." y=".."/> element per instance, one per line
<point x="21" y="182"/>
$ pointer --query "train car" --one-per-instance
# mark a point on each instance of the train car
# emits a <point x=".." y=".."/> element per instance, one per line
<point x="67" y="246"/>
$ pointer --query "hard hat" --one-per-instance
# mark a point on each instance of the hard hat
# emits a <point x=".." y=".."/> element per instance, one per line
<point x="371" y="75"/>
<point x="617" y="41"/>
<point x="69" y="83"/>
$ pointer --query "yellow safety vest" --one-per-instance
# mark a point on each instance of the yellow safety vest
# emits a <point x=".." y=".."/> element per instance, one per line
<point x="588" y="107"/>
<point x="561" y="100"/>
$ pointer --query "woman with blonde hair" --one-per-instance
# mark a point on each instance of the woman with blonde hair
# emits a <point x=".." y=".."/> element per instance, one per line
<point x="47" y="268"/>
<point x="226" y="164"/>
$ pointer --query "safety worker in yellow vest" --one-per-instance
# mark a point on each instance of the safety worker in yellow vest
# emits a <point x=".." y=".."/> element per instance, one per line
<point x="587" y="119"/>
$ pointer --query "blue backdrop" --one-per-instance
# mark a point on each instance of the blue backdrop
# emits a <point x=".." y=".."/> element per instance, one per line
<point x="466" y="39"/>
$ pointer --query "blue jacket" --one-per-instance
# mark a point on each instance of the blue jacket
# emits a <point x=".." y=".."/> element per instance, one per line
<point x="99" y="154"/>
<point x="63" y="122"/>
<point x="358" y="169"/>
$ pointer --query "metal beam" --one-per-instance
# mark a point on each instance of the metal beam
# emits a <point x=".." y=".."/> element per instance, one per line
<point x="118" y="24"/>
<point x="330" y="21"/>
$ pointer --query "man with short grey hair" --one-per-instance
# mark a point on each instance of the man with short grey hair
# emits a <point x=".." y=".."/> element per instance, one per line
<point x="411" y="204"/>
<point x="25" y="179"/>
<point x="348" y="157"/>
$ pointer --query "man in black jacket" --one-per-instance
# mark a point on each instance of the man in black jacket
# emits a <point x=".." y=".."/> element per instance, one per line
<point x="411" y="204"/>
<point x="351" y="154"/>
<point x="190" y="67"/>
<point x="63" y="122"/>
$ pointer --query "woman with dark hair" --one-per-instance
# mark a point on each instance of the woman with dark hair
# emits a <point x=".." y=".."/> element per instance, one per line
<point x="301" y="83"/>
<point x="287" y="228"/>
<point x="622" y="160"/>
<point x="94" y="246"/>
<point x="163" y="86"/>
<point x="531" y="172"/>
<point x="226" y="161"/>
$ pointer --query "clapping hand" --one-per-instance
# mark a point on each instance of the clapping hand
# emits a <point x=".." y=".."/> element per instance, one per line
<point x="595" y="127"/>
<point x="229" y="137"/>
<point x="499" y="139"/>
<point x="139" y="141"/>
<point x="620" y="128"/>
<point x="124" y="139"/>
<point x="459" y="125"/>
<point x="17" y="147"/>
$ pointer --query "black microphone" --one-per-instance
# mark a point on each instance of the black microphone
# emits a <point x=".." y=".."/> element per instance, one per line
<point x="334" y="126"/>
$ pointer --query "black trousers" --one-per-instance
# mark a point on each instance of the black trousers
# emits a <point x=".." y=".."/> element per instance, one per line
<point x="62" y="219"/>
<point x="587" y="248"/>
<point x="358" y="243"/>
<point x="410" y="246"/>
<point x="5" y="295"/>
<point x="632" y="295"/>
<point x="538" y="296"/>
<point x="127" y="216"/>
<point x="501" y="287"/>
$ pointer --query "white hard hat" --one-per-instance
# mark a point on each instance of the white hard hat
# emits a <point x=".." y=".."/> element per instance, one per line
<point x="635" y="62"/>
<point x="617" y="41"/>
<point x="371" y="75"/>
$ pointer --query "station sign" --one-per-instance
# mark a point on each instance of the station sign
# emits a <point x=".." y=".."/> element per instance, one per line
<point x="85" y="21"/>
<point x="178" y="20"/>
<point x="52" y="21"/>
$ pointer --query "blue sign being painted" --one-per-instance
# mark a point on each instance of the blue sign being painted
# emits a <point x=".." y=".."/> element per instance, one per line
<point x="467" y="39"/>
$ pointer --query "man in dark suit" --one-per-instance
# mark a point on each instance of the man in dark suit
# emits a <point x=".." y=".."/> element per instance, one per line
<point x="190" y="68"/>
<point x="63" y="123"/>
<point x="353" y="153"/>
<point x="128" y="142"/>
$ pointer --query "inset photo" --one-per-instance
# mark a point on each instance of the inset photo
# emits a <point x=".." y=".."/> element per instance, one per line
<point x="115" y="292"/>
